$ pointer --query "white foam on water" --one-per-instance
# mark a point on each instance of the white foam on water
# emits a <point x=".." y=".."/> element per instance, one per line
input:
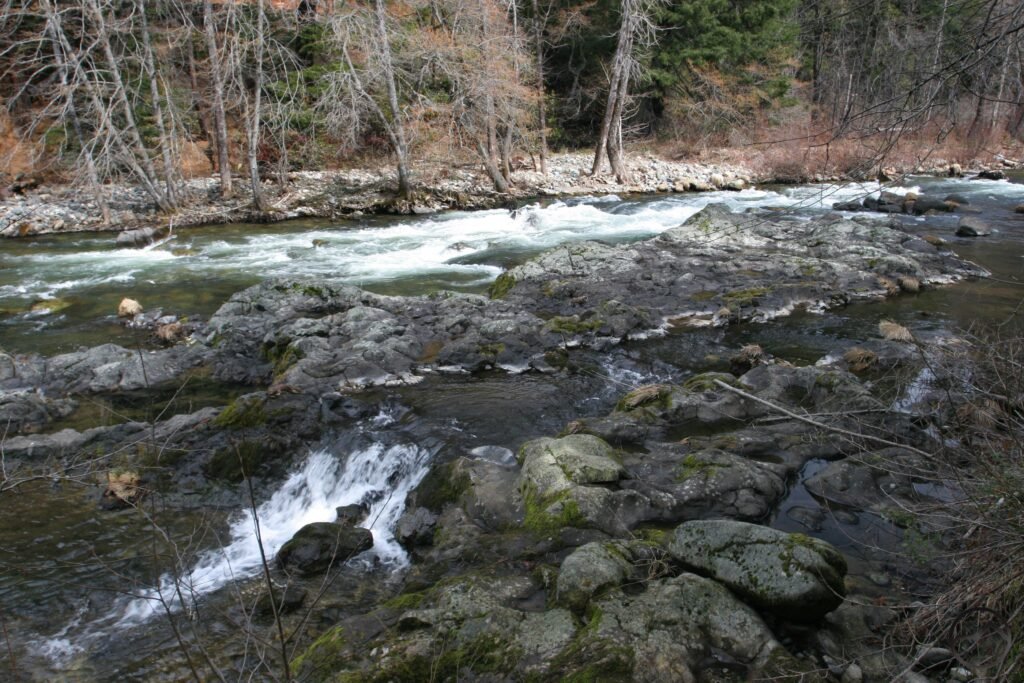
<point x="378" y="476"/>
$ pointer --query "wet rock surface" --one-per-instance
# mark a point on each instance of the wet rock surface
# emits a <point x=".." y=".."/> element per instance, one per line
<point x="318" y="546"/>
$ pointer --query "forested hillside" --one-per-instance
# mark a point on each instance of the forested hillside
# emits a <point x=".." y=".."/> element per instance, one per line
<point x="157" y="90"/>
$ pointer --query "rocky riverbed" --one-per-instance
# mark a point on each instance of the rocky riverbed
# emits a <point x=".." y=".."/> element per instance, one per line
<point x="631" y="538"/>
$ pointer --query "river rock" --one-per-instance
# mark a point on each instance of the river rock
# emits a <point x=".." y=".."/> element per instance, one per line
<point x="792" y="575"/>
<point x="142" y="237"/>
<point x="582" y="458"/>
<point x="590" y="569"/>
<point x="23" y="410"/>
<point x="700" y="625"/>
<point x="1019" y="208"/>
<point x="128" y="308"/>
<point x="318" y="546"/>
<point x="926" y="204"/>
<point x="416" y="527"/>
<point x="971" y="226"/>
<point x="864" y="482"/>
<point x="562" y="483"/>
<point x="991" y="175"/>
<point x="351" y="515"/>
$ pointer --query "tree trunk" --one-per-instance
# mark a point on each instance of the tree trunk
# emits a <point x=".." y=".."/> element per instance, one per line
<point x="493" y="172"/>
<point x="538" y="35"/>
<point x="618" y="85"/>
<point x="254" y="116"/>
<point x="205" y="126"/>
<point x="397" y="130"/>
<point x="92" y="176"/>
<point x="166" y="144"/>
<point x="143" y="164"/>
<point x="219" y="115"/>
<point x="506" y="153"/>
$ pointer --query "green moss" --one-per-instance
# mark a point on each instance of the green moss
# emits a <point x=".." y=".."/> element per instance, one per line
<point x="557" y="358"/>
<point x="653" y="396"/>
<point x="573" y="324"/>
<point x="406" y="601"/>
<point x="829" y="380"/>
<point x="706" y="381"/>
<point x="540" y="520"/>
<point x="320" y="660"/>
<point x="692" y="466"/>
<point x="501" y="286"/>
<point x="282" y="356"/>
<point x="486" y="654"/>
<point x="745" y="297"/>
<point x="236" y="461"/>
<point x="241" y="413"/>
<point x="594" y="660"/>
<point x="443" y="484"/>
<point x="308" y="290"/>
<point x="493" y="350"/>
<point x="657" y="537"/>
<point x="725" y="442"/>
<point x="704" y="295"/>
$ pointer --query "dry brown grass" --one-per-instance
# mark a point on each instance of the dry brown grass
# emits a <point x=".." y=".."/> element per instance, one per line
<point x="860" y="360"/>
<point x="894" y="331"/>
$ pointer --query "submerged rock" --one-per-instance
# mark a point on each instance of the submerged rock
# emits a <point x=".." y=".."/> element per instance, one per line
<point x="792" y="575"/>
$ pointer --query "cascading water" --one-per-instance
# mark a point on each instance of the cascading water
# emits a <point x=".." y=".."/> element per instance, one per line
<point x="377" y="476"/>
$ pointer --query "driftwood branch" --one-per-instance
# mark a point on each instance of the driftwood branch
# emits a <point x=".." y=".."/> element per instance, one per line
<point x="820" y="425"/>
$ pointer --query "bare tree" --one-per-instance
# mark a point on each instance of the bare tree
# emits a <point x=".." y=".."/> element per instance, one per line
<point x="353" y="89"/>
<point x="217" y="99"/>
<point x="636" y="32"/>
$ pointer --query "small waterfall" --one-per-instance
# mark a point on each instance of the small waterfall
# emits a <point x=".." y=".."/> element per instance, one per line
<point x="379" y="477"/>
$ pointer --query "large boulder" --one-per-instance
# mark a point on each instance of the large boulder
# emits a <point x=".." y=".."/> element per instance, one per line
<point x="318" y="546"/>
<point x="589" y="570"/>
<point x="566" y="483"/>
<point x="791" y="575"/>
<point x="582" y="458"/>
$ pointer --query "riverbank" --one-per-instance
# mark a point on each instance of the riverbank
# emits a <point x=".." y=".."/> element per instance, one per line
<point x="354" y="193"/>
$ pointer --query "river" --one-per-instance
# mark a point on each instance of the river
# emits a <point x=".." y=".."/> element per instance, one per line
<point x="76" y="586"/>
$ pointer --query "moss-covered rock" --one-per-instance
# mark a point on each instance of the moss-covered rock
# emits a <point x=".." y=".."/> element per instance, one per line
<point x="501" y="286"/>
<point x="794" y="576"/>
<point x="590" y="569"/>
<point x="244" y="412"/>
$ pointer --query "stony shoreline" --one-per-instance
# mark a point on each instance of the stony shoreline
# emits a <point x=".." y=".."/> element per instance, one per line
<point x="353" y="193"/>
